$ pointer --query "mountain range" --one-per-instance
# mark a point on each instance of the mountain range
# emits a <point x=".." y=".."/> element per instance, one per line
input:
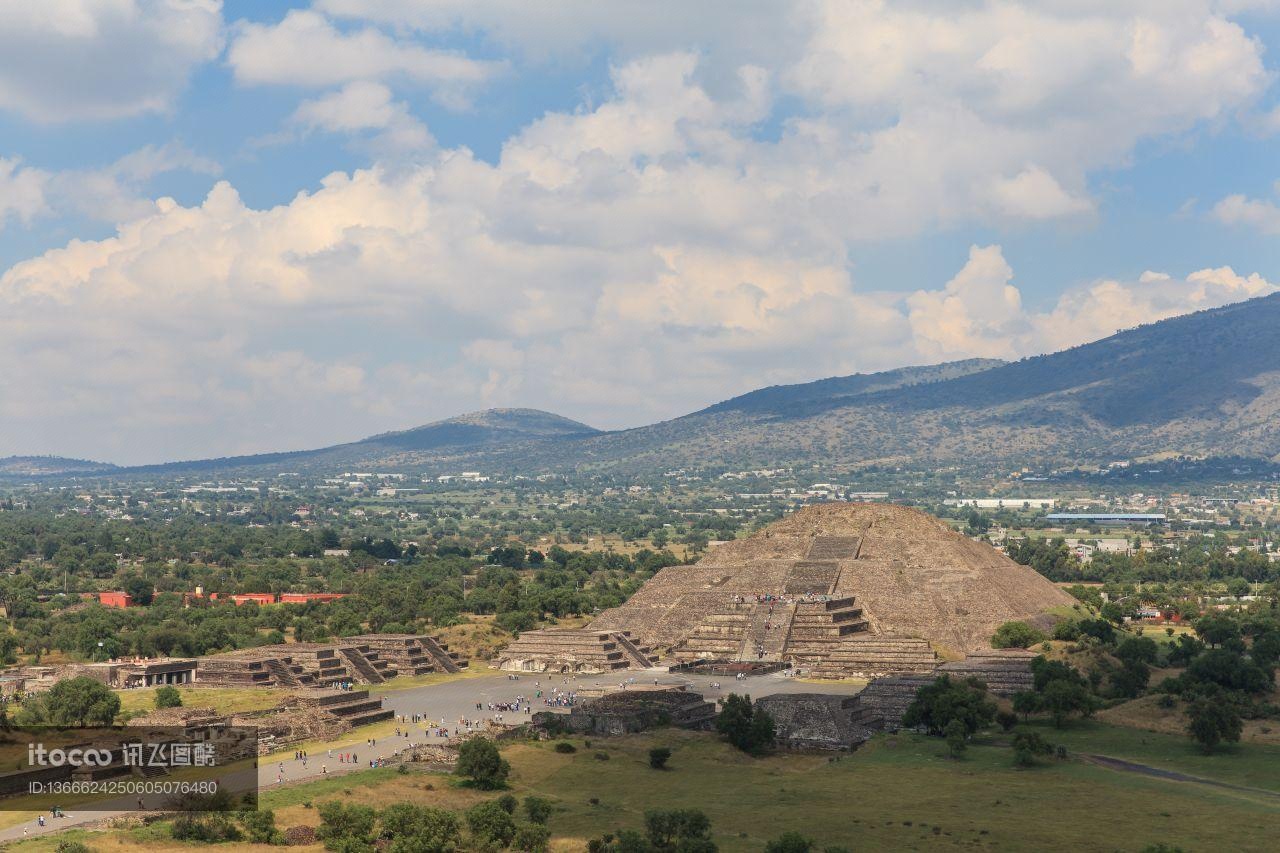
<point x="1200" y="385"/>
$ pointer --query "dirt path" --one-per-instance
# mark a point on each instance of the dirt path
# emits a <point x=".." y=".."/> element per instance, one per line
<point x="1172" y="775"/>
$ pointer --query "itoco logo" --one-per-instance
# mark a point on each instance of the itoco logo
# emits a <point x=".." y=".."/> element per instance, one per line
<point x="38" y="756"/>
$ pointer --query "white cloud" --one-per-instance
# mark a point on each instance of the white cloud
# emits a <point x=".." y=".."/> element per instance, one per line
<point x="360" y="107"/>
<point x="22" y="191"/>
<point x="113" y="193"/>
<point x="306" y="49"/>
<point x="1259" y="214"/>
<point x="64" y="60"/>
<point x="623" y="262"/>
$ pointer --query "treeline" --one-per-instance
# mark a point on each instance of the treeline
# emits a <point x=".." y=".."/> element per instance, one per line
<point x="1196" y="561"/>
<point x="417" y="595"/>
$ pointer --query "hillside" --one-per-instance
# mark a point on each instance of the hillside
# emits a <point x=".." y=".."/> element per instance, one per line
<point x="43" y="466"/>
<point x="1201" y="385"/>
<point x="459" y="438"/>
<point x="1205" y="384"/>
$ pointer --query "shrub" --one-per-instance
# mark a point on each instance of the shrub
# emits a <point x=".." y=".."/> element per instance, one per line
<point x="658" y="757"/>
<point x="602" y="756"/>
<point x="537" y="809"/>
<point x="789" y="842"/>
<point x="72" y="847"/>
<point x="1212" y="720"/>
<point x="565" y="747"/>
<point x="342" y="826"/>
<point x="490" y="823"/>
<point x="1016" y="635"/>
<point x="532" y="838"/>
<point x="508" y="803"/>
<point x="1007" y="720"/>
<point x="1027" y="745"/>
<point x="168" y="697"/>
<point x="260" y="826"/>
<point x="420" y="829"/>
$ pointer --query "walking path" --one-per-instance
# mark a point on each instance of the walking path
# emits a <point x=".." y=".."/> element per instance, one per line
<point x="444" y="703"/>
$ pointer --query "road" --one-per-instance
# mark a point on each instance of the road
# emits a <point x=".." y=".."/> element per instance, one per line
<point x="447" y="703"/>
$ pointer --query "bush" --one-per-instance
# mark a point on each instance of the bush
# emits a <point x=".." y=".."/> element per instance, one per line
<point x="1027" y="745"/>
<point x="565" y="747"/>
<point x="789" y="842"/>
<point x="168" y="697"/>
<point x="72" y="847"/>
<point x="343" y="826"/>
<point x="678" y="829"/>
<point x="532" y="838"/>
<point x="1016" y="635"/>
<point x="210" y="829"/>
<point x="601" y="756"/>
<point x="490" y="823"/>
<point x="480" y="761"/>
<point x="420" y="829"/>
<point x="1006" y="720"/>
<point x="260" y="827"/>
<point x="658" y="757"/>
<point x="508" y="803"/>
<point x="537" y="809"/>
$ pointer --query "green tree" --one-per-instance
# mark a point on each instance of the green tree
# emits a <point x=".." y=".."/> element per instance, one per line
<point x="1027" y="745"/>
<point x="168" y="697"/>
<point x="682" y="830"/>
<point x="79" y="701"/>
<point x="1213" y="719"/>
<point x="942" y="701"/>
<point x="480" y="761"/>
<point x="743" y="726"/>
<point x="420" y="829"/>
<point x="956" y="737"/>
<point x="658" y="757"/>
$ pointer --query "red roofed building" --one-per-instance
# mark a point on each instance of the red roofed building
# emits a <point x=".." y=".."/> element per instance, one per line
<point x="115" y="599"/>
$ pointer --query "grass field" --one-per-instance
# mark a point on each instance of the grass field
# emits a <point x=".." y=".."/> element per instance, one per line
<point x="227" y="700"/>
<point x="897" y="793"/>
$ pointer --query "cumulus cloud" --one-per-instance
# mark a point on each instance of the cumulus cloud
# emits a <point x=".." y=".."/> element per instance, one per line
<point x="681" y="240"/>
<point x="1260" y="214"/>
<point x="306" y="49"/>
<point x="363" y="108"/>
<point x="113" y="193"/>
<point x="64" y="60"/>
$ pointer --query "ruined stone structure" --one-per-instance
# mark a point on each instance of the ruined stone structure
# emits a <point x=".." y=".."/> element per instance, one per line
<point x="825" y="721"/>
<point x="412" y="654"/>
<point x="633" y="710"/>
<point x="582" y="650"/>
<point x="838" y="590"/>
<point x="296" y="665"/>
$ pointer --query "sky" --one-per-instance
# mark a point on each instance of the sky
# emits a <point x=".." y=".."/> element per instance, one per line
<point x="247" y="226"/>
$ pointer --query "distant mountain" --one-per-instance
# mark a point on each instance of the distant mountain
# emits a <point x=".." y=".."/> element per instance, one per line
<point x="1204" y="384"/>
<point x="43" y="466"/>
<point x="458" y="438"/>
<point x="1200" y="385"/>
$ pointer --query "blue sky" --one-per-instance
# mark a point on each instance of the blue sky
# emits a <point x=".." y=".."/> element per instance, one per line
<point x="250" y="226"/>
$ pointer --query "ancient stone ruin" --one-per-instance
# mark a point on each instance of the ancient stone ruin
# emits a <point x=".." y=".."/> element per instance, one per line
<point x="635" y="709"/>
<point x="835" y="589"/>
<point x="369" y="659"/>
<point x="575" y="651"/>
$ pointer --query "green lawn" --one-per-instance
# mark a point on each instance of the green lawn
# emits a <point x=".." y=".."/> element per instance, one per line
<point x="1251" y="765"/>
<point x="897" y="793"/>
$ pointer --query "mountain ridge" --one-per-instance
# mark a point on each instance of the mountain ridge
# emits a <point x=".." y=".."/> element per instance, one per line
<point x="1205" y="384"/>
